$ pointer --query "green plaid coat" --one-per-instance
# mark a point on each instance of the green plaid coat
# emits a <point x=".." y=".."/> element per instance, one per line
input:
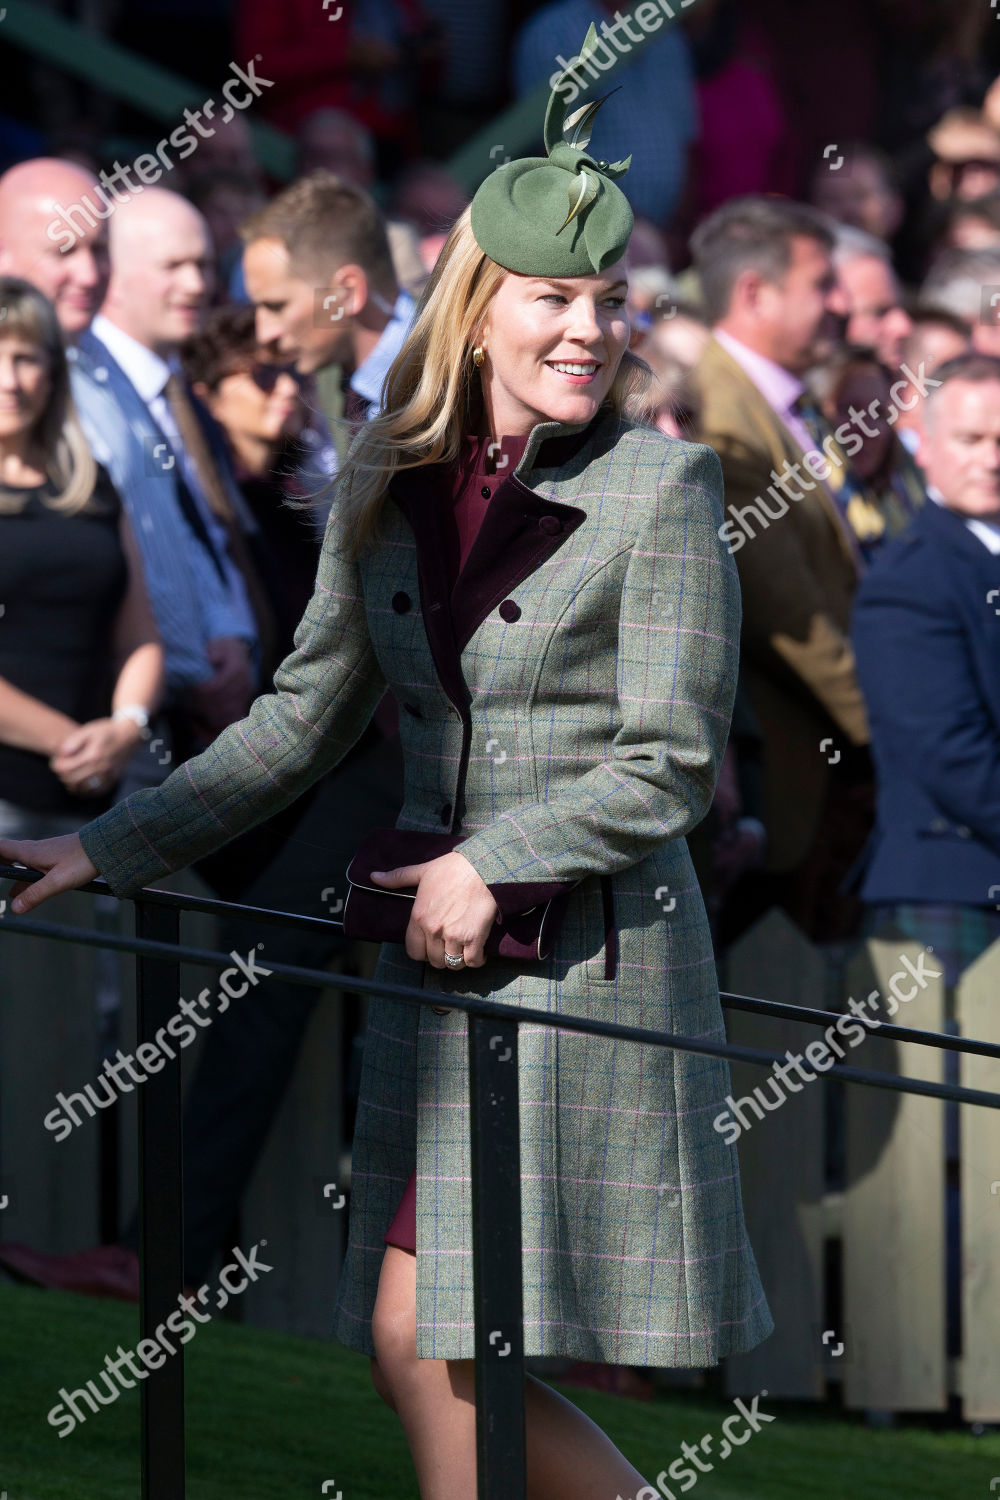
<point x="567" y="707"/>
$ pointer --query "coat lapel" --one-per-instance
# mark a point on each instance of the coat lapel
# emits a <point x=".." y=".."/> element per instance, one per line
<point x="418" y="493"/>
<point x="520" y="530"/>
<point x="719" y="365"/>
<point x="947" y="528"/>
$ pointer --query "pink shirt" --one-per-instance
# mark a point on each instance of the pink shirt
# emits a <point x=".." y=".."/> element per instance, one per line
<point x="779" y="387"/>
<point x="475" y="478"/>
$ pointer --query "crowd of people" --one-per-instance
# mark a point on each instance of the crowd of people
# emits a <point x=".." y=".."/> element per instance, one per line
<point x="180" y="382"/>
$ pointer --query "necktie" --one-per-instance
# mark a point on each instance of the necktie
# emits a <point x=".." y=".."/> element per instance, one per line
<point x="190" y="511"/>
<point x="199" y="452"/>
<point x="842" y="483"/>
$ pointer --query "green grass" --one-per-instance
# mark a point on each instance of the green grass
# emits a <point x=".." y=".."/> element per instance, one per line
<point x="271" y="1417"/>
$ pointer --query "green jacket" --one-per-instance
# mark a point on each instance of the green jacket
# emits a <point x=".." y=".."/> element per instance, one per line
<point x="567" y="706"/>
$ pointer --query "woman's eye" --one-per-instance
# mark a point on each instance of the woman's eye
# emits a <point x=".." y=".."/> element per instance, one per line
<point x="615" y="301"/>
<point x="553" y="297"/>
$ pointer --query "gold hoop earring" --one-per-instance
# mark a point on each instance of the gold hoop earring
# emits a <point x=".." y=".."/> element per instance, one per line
<point x="478" y="355"/>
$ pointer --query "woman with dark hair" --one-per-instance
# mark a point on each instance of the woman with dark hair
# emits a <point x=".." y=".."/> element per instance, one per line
<point x="539" y="578"/>
<point x="81" y="667"/>
<point x="262" y="411"/>
<point x="887" y="487"/>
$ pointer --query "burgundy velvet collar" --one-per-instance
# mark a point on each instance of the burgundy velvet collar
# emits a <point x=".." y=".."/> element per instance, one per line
<point x="520" y="530"/>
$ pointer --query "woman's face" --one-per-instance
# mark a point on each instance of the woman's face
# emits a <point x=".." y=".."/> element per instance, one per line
<point x="553" y="347"/>
<point x="263" y="404"/>
<point x="25" y="384"/>
<point x="867" y="391"/>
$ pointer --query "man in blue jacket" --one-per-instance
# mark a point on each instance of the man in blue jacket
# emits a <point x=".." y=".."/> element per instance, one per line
<point x="926" y="633"/>
<point x="926" y="636"/>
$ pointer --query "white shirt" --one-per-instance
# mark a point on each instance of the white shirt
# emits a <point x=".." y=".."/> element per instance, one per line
<point x="149" y="374"/>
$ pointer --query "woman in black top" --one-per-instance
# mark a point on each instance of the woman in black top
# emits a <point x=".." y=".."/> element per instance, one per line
<point x="81" y="666"/>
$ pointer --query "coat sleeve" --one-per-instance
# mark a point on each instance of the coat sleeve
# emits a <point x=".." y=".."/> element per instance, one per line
<point x="930" y="720"/>
<point x="676" y="681"/>
<point x="325" y="692"/>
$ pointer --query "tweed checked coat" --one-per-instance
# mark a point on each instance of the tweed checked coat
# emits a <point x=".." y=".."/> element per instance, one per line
<point x="567" y="708"/>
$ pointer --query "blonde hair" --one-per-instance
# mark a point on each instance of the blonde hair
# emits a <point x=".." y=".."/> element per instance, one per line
<point x="430" y="396"/>
<point x="25" y="313"/>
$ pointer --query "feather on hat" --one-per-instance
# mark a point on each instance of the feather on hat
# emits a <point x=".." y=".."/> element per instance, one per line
<point x="562" y="214"/>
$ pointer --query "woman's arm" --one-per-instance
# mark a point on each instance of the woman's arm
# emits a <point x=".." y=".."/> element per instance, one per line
<point x="101" y="747"/>
<point x="325" y="693"/>
<point x="137" y="646"/>
<point x="27" y="723"/>
<point x="676" y="681"/>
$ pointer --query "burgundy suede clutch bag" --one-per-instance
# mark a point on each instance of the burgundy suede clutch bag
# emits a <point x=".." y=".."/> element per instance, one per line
<point x="529" y="917"/>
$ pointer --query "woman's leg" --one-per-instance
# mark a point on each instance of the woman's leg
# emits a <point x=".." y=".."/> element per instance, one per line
<point x="567" y="1454"/>
<point x="433" y="1399"/>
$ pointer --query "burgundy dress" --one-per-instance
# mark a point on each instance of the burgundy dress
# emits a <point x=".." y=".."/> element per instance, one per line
<point x="474" y="478"/>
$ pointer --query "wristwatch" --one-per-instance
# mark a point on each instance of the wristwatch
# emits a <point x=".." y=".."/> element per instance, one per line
<point x="137" y="714"/>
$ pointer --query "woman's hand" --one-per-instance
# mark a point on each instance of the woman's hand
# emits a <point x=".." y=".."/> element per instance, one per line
<point x="101" y="749"/>
<point x="452" y="913"/>
<point x="63" y="858"/>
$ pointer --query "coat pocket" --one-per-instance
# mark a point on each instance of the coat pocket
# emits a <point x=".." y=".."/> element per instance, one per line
<point x="610" y="928"/>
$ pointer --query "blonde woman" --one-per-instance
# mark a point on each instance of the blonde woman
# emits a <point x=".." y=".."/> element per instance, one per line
<point x="540" y="582"/>
<point x="81" y="666"/>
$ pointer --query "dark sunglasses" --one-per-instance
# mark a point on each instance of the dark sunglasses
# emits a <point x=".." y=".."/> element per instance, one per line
<point x="265" y="377"/>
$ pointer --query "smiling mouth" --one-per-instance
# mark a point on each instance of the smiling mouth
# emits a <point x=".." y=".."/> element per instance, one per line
<point x="574" y="369"/>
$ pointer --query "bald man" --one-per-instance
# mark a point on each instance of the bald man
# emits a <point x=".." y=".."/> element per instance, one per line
<point x="163" y="271"/>
<point x="33" y="197"/>
<point x="162" y="277"/>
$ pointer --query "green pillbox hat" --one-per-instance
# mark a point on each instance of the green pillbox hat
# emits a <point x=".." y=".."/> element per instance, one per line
<point x="557" y="215"/>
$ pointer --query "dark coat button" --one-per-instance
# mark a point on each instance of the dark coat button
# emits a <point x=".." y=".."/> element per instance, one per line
<point x="485" y="492"/>
<point x="401" y="603"/>
<point x="550" y="524"/>
<point x="446" y="813"/>
<point x="412" y="710"/>
<point x="509" y="610"/>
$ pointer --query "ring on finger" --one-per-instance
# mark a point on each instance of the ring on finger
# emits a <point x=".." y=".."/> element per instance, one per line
<point x="454" y="960"/>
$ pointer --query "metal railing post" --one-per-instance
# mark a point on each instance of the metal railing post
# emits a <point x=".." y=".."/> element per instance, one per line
<point x="161" y="1230"/>
<point x="496" y="1258"/>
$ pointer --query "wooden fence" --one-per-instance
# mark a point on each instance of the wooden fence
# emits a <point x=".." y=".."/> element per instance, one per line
<point x="879" y="1324"/>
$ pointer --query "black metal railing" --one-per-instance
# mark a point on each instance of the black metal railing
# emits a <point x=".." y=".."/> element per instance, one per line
<point x="495" y="1157"/>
